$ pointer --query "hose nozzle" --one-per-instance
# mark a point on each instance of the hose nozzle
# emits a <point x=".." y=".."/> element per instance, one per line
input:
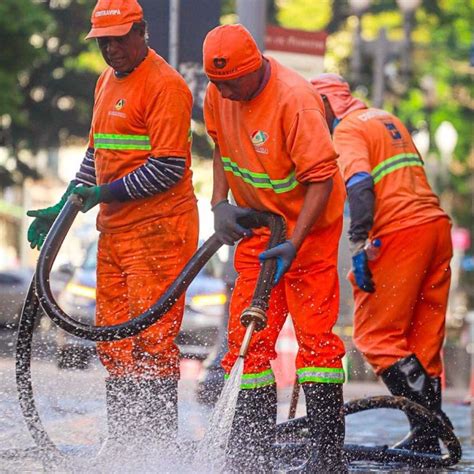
<point x="254" y="314"/>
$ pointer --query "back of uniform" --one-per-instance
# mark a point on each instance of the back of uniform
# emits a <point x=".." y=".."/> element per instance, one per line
<point x="376" y="142"/>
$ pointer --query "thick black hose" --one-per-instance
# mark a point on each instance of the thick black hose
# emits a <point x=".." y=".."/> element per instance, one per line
<point x="47" y="450"/>
<point x="295" y="430"/>
<point x="132" y="327"/>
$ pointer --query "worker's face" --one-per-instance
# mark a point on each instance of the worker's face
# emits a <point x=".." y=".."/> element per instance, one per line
<point x="123" y="53"/>
<point x="330" y="116"/>
<point x="240" y="89"/>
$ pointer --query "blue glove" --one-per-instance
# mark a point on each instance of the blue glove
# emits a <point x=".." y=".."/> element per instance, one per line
<point x="227" y="229"/>
<point x="285" y="253"/>
<point x="93" y="195"/>
<point x="362" y="274"/>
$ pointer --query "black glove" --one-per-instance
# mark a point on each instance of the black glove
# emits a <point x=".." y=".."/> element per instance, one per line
<point x="285" y="253"/>
<point x="226" y="227"/>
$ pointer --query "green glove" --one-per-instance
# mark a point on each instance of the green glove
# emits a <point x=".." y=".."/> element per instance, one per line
<point x="44" y="219"/>
<point x="93" y="195"/>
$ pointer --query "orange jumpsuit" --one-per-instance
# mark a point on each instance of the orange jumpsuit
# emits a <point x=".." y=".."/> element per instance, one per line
<point x="406" y="314"/>
<point x="144" y="243"/>
<point x="271" y="146"/>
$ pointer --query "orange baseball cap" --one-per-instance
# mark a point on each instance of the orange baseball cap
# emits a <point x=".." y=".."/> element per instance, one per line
<point x="229" y="52"/>
<point x="114" y="17"/>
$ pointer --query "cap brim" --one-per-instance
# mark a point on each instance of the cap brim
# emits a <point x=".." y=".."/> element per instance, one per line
<point x="116" y="30"/>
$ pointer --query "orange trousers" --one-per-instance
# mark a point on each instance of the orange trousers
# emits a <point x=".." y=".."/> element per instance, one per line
<point x="406" y="314"/>
<point x="134" y="269"/>
<point x="309" y="291"/>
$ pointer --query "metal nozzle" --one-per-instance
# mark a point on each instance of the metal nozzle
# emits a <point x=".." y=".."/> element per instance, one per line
<point x="254" y="314"/>
<point x="246" y="342"/>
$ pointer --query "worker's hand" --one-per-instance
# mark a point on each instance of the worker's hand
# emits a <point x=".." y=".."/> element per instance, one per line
<point x="226" y="227"/>
<point x="44" y="219"/>
<point x="284" y="253"/>
<point x="93" y="195"/>
<point x="362" y="273"/>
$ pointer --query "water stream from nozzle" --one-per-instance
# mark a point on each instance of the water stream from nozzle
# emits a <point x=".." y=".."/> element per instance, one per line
<point x="211" y="451"/>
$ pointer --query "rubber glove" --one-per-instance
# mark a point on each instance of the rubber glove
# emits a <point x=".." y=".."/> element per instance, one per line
<point x="285" y="253"/>
<point x="44" y="219"/>
<point x="362" y="273"/>
<point x="226" y="227"/>
<point x="93" y="195"/>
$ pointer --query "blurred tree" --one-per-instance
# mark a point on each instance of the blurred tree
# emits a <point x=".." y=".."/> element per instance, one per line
<point x="51" y="72"/>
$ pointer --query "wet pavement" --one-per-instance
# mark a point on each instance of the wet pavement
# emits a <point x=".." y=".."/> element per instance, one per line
<point x="72" y="407"/>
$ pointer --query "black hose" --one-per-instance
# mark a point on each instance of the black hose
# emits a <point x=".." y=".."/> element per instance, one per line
<point x="132" y="327"/>
<point x="296" y="429"/>
<point x="39" y="291"/>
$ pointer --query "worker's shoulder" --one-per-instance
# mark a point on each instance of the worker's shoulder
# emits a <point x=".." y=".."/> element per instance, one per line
<point x="161" y="76"/>
<point x="295" y="89"/>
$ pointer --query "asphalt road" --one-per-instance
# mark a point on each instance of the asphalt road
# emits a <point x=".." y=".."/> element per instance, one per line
<point x="72" y="407"/>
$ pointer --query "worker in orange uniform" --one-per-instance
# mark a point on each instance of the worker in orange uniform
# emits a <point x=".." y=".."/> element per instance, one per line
<point x="137" y="167"/>
<point x="401" y="296"/>
<point x="262" y="118"/>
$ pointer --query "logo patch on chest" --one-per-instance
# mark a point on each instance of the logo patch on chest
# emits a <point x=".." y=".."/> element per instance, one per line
<point x="119" y="104"/>
<point x="259" y="137"/>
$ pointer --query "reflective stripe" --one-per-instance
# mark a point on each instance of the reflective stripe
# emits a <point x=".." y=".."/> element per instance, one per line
<point x="320" y="374"/>
<point x="112" y="141"/>
<point x="260" y="180"/>
<point x="261" y="379"/>
<point x="394" y="163"/>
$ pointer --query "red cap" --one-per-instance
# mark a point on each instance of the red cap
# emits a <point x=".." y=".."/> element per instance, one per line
<point x="229" y="52"/>
<point x="114" y="17"/>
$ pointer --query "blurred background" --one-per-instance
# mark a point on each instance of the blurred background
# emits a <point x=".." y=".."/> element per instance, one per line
<point x="412" y="57"/>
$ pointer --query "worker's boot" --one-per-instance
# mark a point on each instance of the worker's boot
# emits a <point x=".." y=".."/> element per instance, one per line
<point x="122" y="411"/>
<point x="408" y="378"/>
<point x="324" y="404"/>
<point x="253" y="431"/>
<point x="157" y="417"/>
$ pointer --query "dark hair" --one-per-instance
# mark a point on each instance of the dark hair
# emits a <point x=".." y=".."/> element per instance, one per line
<point x="141" y="26"/>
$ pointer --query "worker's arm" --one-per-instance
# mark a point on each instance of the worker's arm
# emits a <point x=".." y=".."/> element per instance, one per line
<point x="226" y="215"/>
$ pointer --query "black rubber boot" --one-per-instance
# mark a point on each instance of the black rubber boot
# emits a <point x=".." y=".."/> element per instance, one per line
<point x="324" y="403"/>
<point x="157" y="401"/>
<point x="122" y="411"/>
<point x="253" y="431"/>
<point x="141" y="411"/>
<point x="408" y="378"/>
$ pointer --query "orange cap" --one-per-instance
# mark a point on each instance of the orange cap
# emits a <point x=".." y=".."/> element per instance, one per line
<point x="229" y="51"/>
<point x="338" y="92"/>
<point x="114" y="17"/>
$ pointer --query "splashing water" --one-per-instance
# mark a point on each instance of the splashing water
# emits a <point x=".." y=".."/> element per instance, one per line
<point x="212" y="448"/>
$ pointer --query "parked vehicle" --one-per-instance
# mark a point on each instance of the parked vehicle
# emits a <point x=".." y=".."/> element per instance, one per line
<point x="13" y="288"/>
<point x="205" y="301"/>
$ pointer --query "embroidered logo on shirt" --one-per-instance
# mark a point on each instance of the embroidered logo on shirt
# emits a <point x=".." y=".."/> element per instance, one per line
<point x="259" y="137"/>
<point x="119" y="105"/>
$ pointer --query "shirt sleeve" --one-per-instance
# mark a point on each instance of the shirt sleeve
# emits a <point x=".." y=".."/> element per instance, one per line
<point x="353" y="150"/>
<point x="209" y="118"/>
<point x="308" y="140"/>
<point x="168" y="120"/>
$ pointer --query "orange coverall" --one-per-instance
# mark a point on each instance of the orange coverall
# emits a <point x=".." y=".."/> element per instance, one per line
<point x="144" y="243"/>
<point x="406" y="314"/>
<point x="271" y="146"/>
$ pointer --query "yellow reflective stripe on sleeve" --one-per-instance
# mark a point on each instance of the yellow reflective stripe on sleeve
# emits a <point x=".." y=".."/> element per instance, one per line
<point x="260" y="180"/>
<point x="320" y="375"/>
<point x="114" y="141"/>
<point x="395" y="163"/>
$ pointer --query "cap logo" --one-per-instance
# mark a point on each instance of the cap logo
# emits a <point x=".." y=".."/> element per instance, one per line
<point x="107" y="12"/>
<point x="220" y="63"/>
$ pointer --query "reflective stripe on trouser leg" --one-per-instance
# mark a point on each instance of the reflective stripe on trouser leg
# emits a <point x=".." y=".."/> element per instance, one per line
<point x="320" y="375"/>
<point x="261" y="379"/>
